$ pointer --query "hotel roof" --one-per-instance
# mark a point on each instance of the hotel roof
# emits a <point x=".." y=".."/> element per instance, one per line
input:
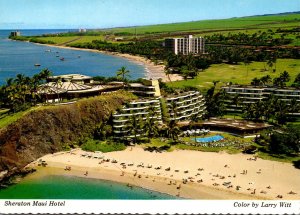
<point x="71" y="76"/>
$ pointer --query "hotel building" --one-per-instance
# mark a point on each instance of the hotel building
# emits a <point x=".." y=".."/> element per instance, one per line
<point x="141" y="110"/>
<point x="15" y="33"/>
<point x="251" y="94"/>
<point x="179" y="107"/>
<point x="72" y="86"/>
<point x="186" y="45"/>
<point x="148" y="88"/>
<point x="182" y="107"/>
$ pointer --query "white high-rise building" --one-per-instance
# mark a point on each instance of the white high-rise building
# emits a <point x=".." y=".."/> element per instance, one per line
<point x="186" y="45"/>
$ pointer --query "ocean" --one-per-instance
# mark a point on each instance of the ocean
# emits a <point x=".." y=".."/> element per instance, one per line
<point x="20" y="57"/>
<point x="71" y="187"/>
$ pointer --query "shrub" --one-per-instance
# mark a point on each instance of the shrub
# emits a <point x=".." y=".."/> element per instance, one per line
<point x="103" y="146"/>
<point x="297" y="164"/>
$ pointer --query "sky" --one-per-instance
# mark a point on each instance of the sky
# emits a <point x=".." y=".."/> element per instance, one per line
<point x="46" y="14"/>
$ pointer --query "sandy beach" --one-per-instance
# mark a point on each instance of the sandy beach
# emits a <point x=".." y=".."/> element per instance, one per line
<point x="152" y="71"/>
<point x="183" y="173"/>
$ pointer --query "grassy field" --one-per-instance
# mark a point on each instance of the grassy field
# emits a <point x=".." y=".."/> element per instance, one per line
<point x="71" y="39"/>
<point x="256" y="22"/>
<point x="7" y="118"/>
<point x="59" y="40"/>
<point x="239" y="74"/>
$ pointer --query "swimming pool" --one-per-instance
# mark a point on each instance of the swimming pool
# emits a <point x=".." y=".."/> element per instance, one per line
<point x="209" y="139"/>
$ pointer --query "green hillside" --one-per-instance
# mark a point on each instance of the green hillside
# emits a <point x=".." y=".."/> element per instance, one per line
<point x="248" y="25"/>
<point x="255" y="22"/>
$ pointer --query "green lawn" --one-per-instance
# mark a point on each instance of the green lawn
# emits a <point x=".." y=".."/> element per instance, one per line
<point x="8" y="118"/>
<point x="86" y="39"/>
<point x="103" y="146"/>
<point x="239" y="74"/>
<point x="59" y="40"/>
<point x="161" y="142"/>
<point x="71" y="39"/>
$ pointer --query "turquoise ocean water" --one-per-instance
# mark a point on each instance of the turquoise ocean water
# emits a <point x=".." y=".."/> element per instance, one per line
<point x="20" y="57"/>
<point x="70" y="187"/>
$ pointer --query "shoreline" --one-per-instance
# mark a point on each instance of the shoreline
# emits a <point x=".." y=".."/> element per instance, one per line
<point x="152" y="71"/>
<point x="167" y="181"/>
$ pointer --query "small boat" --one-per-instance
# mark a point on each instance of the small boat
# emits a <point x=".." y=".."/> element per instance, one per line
<point x="57" y="55"/>
<point x="48" y="50"/>
<point x="62" y="59"/>
<point x="37" y="64"/>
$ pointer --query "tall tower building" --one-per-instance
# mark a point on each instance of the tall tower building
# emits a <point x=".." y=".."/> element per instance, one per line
<point x="186" y="45"/>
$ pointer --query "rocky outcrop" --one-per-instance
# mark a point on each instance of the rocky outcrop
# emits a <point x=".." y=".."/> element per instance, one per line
<point x="49" y="129"/>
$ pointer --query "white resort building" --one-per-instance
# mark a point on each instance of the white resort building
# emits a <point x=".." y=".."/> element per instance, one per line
<point x="183" y="106"/>
<point x="148" y="88"/>
<point x="179" y="107"/>
<point x="252" y="94"/>
<point x="139" y="110"/>
<point x="186" y="45"/>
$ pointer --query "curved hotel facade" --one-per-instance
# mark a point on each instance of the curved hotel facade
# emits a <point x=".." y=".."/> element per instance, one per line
<point x="185" y="105"/>
<point x="139" y="110"/>
<point x="180" y="107"/>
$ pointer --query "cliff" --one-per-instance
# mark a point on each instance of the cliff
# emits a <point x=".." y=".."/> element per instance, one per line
<point x="52" y="128"/>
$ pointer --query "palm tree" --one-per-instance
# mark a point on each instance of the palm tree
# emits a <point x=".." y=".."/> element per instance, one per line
<point x="150" y="126"/>
<point x="172" y="130"/>
<point x="174" y="110"/>
<point x="57" y="86"/>
<point x="281" y="112"/>
<point x="122" y="73"/>
<point x="266" y="79"/>
<point x="168" y="72"/>
<point x="255" y="81"/>
<point x="236" y="101"/>
<point x="285" y="76"/>
<point x="135" y="126"/>
<point x="19" y="80"/>
<point x="193" y="120"/>
<point x="184" y="71"/>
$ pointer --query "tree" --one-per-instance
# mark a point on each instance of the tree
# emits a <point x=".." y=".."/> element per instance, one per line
<point x="150" y="126"/>
<point x="265" y="79"/>
<point x="135" y="127"/>
<point x="174" y="110"/>
<point x="236" y="101"/>
<point x="193" y="120"/>
<point x="285" y="76"/>
<point x="184" y="71"/>
<point x="172" y="130"/>
<point x="282" y="79"/>
<point x="297" y="81"/>
<point x="215" y="102"/>
<point x="285" y="142"/>
<point x="255" y="82"/>
<point x="122" y="73"/>
<point x="57" y="86"/>
<point x="281" y="112"/>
